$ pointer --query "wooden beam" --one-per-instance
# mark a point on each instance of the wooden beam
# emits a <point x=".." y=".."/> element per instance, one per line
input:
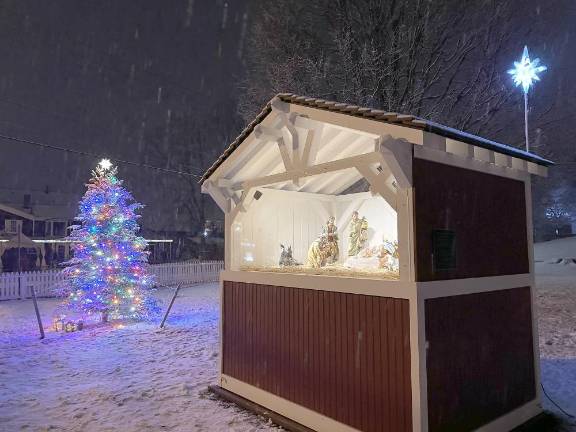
<point x="217" y="195"/>
<point x="288" y="125"/>
<point x="434" y="141"/>
<point x="327" y="136"/>
<point x="288" y="165"/>
<point x="308" y="117"/>
<point x="240" y="206"/>
<point x="503" y="160"/>
<point x="343" y="182"/>
<point x="484" y="154"/>
<point x="459" y="148"/>
<point x="378" y="184"/>
<point x="336" y="165"/>
<point x="310" y="134"/>
<point x="519" y="164"/>
<point x="223" y="183"/>
<point x="279" y="106"/>
<point x="468" y="163"/>
<point x="397" y="155"/>
<point x="339" y="155"/>
<point x="270" y="133"/>
<point x="240" y="155"/>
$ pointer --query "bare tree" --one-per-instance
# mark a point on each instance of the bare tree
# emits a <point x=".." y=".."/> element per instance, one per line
<point x="189" y="143"/>
<point x="438" y="60"/>
<point x="442" y="60"/>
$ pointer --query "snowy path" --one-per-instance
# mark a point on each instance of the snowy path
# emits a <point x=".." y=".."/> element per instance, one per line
<point x="140" y="378"/>
<point x="136" y="378"/>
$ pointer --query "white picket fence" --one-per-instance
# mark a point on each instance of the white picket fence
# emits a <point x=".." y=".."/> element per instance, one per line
<point x="45" y="283"/>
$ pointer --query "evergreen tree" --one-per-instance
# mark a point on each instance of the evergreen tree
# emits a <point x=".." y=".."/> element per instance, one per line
<point x="109" y="272"/>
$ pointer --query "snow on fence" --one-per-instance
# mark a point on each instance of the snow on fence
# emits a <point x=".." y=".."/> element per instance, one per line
<point x="45" y="282"/>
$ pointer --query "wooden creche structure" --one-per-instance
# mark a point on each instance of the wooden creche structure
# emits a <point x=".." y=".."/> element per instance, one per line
<point x="449" y="343"/>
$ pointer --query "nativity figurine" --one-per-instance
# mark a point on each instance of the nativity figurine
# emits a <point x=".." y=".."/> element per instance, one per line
<point x="330" y="231"/>
<point x="358" y="234"/>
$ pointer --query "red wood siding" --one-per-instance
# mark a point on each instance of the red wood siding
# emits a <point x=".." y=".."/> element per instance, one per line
<point x="480" y="359"/>
<point x="342" y="355"/>
<point x="487" y="214"/>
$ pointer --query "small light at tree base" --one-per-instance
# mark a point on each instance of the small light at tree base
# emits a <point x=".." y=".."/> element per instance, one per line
<point x="526" y="71"/>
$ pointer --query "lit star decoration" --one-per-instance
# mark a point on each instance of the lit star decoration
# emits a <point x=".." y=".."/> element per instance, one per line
<point x="105" y="164"/>
<point x="108" y="275"/>
<point x="526" y="71"/>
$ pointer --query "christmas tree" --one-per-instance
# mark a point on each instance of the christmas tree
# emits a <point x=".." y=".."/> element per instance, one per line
<point x="109" y="272"/>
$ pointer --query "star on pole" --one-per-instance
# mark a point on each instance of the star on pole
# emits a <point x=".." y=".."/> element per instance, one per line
<point x="526" y="71"/>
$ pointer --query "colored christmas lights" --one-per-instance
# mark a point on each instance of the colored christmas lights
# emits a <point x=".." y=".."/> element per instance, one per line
<point x="109" y="272"/>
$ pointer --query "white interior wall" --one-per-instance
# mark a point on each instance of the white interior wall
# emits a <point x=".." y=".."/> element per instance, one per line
<point x="296" y="219"/>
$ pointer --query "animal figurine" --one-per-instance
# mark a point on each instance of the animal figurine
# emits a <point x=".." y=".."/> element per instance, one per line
<point x="286" y="258"/>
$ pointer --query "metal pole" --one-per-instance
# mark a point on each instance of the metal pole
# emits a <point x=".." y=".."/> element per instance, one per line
<point x="33" y="291"/>
<point x="170" y="306"/>
<point x="526" y="120"/>
<point x="19" y="265"/>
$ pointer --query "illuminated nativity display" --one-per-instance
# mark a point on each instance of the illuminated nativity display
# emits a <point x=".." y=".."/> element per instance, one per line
<point x="372" y="280"/>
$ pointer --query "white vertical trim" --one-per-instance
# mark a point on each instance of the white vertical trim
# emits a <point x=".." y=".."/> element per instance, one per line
<point x="221" y="326"/>
<point x="423" y="370"/>
<point x="397" y="155"/>
<point x="535" y="334"/>
<point x="227" y="240"/>
<point x="405" y="221"/>
<point x="418" y="373"/>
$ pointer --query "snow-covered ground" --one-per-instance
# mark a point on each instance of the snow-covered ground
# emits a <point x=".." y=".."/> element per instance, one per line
<point x="556" y="306"/>
<point x="136" y="378"/>
<point x="141" y="378"/>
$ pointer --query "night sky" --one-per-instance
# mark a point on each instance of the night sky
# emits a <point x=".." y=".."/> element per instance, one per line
<point x="112" y="77"/>
<point x="109" y="77"/>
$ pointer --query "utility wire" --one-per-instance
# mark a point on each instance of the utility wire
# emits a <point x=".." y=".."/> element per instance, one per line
<point x="552" y="400"/>
<point x="94" y="155"/>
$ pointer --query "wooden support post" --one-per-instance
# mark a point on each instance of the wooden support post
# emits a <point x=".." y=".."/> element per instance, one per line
<point x="170" y="305"/>
<point x="378" y="184"/>
<point x="33" y="291"/>
<point x="397" y="155"/>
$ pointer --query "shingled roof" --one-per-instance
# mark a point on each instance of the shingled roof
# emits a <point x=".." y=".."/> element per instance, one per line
<point x="381" y="116"/>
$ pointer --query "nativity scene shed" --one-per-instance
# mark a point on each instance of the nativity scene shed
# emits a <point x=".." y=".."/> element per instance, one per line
<point x="378" y="271"/>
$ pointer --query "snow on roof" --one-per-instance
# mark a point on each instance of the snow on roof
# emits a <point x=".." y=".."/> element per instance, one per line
<point x="18" y="212"/>
<point x="409" y="121"/>
<point x="42" y="212"/>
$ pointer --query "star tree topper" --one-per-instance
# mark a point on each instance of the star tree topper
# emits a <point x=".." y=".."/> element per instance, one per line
<point x="105" y="164"/>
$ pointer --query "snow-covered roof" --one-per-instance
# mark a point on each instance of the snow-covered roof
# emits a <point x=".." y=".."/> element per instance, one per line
<point x="408" y="121"/>
<point x="18" y="212"/>
<point x="42" y="212"/>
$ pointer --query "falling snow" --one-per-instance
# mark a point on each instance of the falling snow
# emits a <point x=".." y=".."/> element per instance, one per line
<point x="146" y="378"/>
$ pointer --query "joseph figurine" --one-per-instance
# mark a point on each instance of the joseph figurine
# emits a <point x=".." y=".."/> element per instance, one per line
<point x="358" y="234"/>
<point x="330" y="231"/>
